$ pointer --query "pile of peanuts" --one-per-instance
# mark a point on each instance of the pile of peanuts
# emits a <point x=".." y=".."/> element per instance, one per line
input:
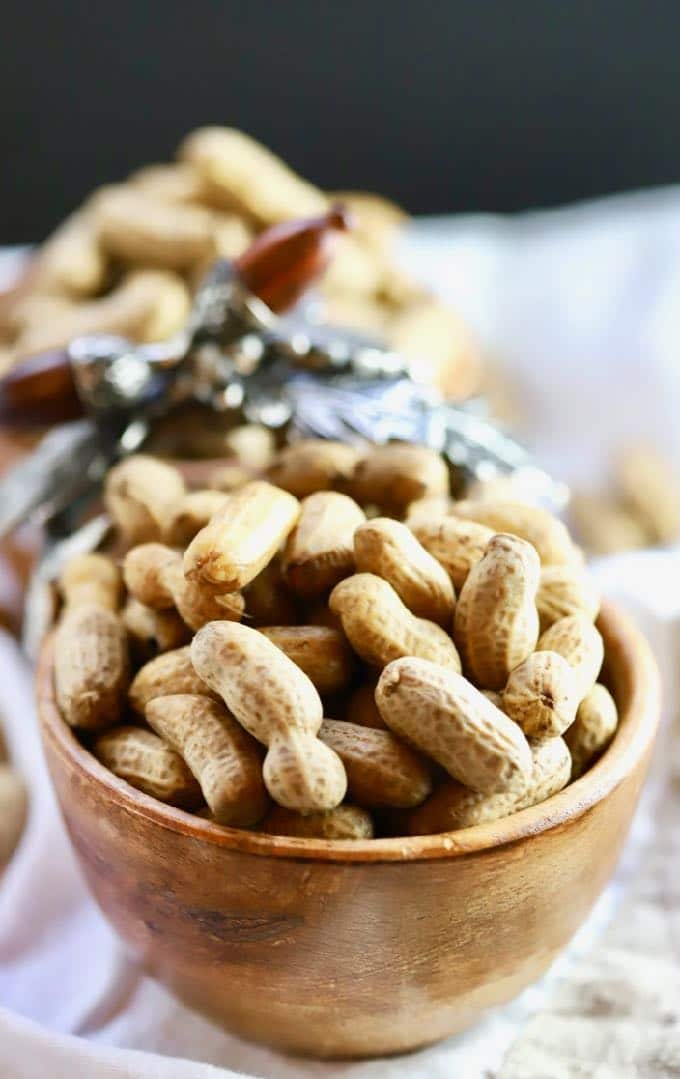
<point x="128" y="260"/>
<point x="13" y="804"/>
<point x="639" y="508"/>
<point x="328" y="645"/>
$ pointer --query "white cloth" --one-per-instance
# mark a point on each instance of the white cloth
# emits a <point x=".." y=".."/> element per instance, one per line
<point x="578" y="304"/>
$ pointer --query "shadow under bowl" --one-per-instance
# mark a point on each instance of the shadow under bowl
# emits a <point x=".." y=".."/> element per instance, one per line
<point x="355" y="948"/>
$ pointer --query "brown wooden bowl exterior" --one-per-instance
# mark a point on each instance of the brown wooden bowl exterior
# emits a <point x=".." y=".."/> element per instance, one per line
<point x="355" y="948"/>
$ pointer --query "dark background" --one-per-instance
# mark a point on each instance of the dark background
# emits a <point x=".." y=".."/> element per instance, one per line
<point x="486" y="105"/>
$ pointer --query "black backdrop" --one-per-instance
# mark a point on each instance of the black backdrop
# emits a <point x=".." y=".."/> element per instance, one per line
<point x="493" y="104"/>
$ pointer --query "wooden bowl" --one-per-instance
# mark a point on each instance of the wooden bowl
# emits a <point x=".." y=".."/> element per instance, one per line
<point x="355" y="948"/>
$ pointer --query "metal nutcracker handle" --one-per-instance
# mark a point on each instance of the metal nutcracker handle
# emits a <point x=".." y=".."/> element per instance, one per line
<point x="108" y="372"/>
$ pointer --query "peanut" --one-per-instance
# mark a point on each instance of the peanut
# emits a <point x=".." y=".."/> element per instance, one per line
<point x="169" y="183"/>
<point x="240" y="174"/>
<point x="230" y="477"/>
<point x="144" y="761"/>
<point x="267" y="598"/>
<point x="458" y="545"/>
<point x="343" y="822"/>
<point x="147" y="305"/>
<point x="461" y="620"/>
<point x="398" y="290"/>
<point x="453" y="806"/>
<point x="322" y="653"/>
<point x="595" y="725"/>
<point x="362" y="709"/>
<point x="220" y="754"/>
<point x="544" y="532"/>
<point x="166" y="675"/>
<point x="190" y="514"/>
<point x="395" y="475"/>
<point x="91" y="667"/>
<point x="550" y="771"/>
<point x="358" y="310"/>
<point x="380" y="628"/>
<point x="72" y="261"/>
<point x="151" y="631"/>
<point x="604" y="526"/>
<point x="242" y="538"/>
<point x="428" y="509"/>
<point x="276" y="703"/>
<point x="28" y="312"/>
<point x="541" y="695"/>
<point x="320" y="550"/>
<point x="312" y="465"/>
<point x="140" y="493"/>
<point x="381" y="770"/>
<point x="154" y="576"/>
<point x="377" y="218"/>
<point x="253" y="445"/>
<point x="495" y="697"/>
<point x="145" y="571"/>
<point x="13" y="809"/>
<point x="91" y="579"/>
<point x="577" y="639"/>
<point x="439" y="346"/>
<point x="231" y="235"/>
<point x="166" y="299"/>
<point x="648" y="483"/>
<point x="498" y="628"/>
<point x="137" y="228"/>
<point x="354" y="269"/>
<point x="391" y="551"/>
<point x="442" y="714"/>
<point x="563" y="591"/>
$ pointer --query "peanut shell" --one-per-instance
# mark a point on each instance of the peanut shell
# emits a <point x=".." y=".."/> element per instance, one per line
<point x="91" y="667"/>
<point x="454" y="806"/>
<point x="457" y="544"/>
<point x="544" y="532"/>
<point x="593" y="730"/>
<point x="541" y="695"/>
<point x="242" y="538"/>
<point x="313" y="464"/>
<point x="579" y="642"/>
<point x="320" y="550"/>
<point x="391" y="551"/>
<point x="563" y="591"/>
<point x="139" y="493"/>
<point x="322" y="653"/>
<point x="381" y="770"/>
<point x="498" y="627"/>
<point x="380" y="628"/>
<point x="221" y="755"/>
<point x="343" y="822"/>
<point x="395" y="475"/>
<point x="144" y="761"/>
<point x="13" y="811"/>
<point x="440" y="713"/>
<point x="166" y="675"/>
<point x="276" y="703"/>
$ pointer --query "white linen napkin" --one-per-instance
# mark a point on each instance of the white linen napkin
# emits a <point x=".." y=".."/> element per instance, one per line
<point x="581" y="307"/>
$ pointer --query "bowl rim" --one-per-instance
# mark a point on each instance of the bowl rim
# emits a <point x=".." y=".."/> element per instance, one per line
<point x="638" y="721"/>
